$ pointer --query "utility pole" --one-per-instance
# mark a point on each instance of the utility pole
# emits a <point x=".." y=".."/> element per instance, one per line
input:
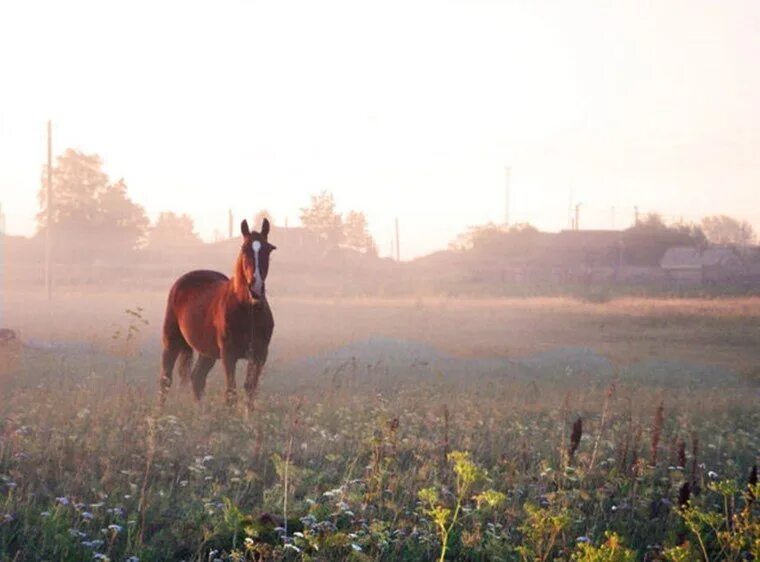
<point x="508" y="193"/>
<point x="398" y="244"/>
<point x="49" y="213"/>
<point x="577" y="215"/>
<point x="229" y="224"/>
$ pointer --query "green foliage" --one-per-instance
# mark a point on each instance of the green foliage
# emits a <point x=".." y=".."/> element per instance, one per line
<point x="611" y="550"/>
<point x="541" y="531"/>
<point x="445" y="518"/>
<point x="367" y="477"/>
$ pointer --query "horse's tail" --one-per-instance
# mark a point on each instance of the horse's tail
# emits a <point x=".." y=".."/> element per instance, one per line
<point x="185" y="363"/>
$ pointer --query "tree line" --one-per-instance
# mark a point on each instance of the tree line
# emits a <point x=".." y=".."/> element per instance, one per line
<point x="644" y="242"/>
<point x="94" y="216"/>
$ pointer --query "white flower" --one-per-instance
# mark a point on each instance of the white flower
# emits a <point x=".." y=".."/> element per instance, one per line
<point x="115" y="528"/>
<point x="356" y="547"/>
<point x="63" y="500"/>
<point x="583" y="539"/>
<point x="712" y="475"/>
<point x="87" y="515"/>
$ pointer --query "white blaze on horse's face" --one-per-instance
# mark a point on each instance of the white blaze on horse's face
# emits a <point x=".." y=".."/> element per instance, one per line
<point x="258" y="283"/>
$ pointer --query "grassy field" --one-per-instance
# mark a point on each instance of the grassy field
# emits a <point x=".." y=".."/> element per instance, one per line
<point x="357" y="461"/>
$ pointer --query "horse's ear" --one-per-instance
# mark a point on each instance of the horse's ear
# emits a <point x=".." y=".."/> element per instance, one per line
<point x="265" y="228"/>
<point x="244" y="228"/>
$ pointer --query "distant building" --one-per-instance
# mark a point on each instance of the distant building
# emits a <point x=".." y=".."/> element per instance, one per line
<point x="691" y="265"/>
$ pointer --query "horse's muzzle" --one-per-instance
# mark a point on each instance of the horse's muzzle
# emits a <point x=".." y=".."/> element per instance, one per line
<point x="255" y="296"/>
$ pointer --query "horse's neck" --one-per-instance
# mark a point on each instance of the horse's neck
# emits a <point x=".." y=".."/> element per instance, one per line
<point x="238" y="286"/>
<point x="239" y="290"/>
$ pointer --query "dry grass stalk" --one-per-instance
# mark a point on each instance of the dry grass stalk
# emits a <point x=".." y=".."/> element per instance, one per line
<point x="695" y="463"/>
<point x="445" y="433"/>
<point x="150" y="454"/>
<point x="575" y="438"/>
<point x="684" y="494"/>
<point x="603" y="421"/>
<point x="659" y="418"/>
<point x="681" y="453"/>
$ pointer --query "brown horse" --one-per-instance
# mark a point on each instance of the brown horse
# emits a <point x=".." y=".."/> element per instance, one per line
<point x="220" y="318"/>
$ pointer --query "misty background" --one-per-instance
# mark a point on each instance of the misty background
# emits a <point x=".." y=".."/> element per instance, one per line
<point x="408" y="110"/>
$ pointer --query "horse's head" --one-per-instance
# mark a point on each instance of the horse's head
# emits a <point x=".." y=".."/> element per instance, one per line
<point x="254" y="258"/>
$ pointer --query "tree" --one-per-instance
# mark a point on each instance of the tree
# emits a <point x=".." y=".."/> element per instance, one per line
<point x="494" y="237"/>
<point x="356" y="233"/>
<point x="91" y="216"/>
<point x="172" y="231"/>
<point x="120" y="221"/>
<point x="722" y="229"/>
<point x="78" y="183"/>
<point x="646" y="242"/>
<point x="321" y="219"/>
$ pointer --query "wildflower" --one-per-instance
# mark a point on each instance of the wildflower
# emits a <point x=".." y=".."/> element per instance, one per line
<point x="96" y="505"/>
<point x="712" y="475"/>
<point x="45" y="514"/>
<point x="583" y="539"/>
<point x="115" y="528"/>
<point x="100" y="556"/>
<point x="63" y="500"/>
<point x="248" y="542"/>
<point x="77" y="533"/>
<point x="308" y="520"/>
<point x="293" y="547"/>
<point x="207" y="458"/>
<point x="356" y="547"/>
<point x="8" y="517"/>
<point x="87" y="515"/>
<point x="133" y="559"/>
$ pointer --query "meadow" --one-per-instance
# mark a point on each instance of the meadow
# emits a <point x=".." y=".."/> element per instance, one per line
<point x="649" y="458"/>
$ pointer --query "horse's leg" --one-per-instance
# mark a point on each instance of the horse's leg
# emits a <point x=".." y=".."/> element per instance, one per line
<point x="199" y="374"/>
<point x="185" y="365"/>
<point x="174" y="344"/>
<point x="230" y="361"/>
<point x="168" y="358"/>
<point x="252" y="382"/>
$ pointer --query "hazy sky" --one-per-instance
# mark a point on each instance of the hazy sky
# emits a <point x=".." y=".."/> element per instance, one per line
<point x="408" y="109"/>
